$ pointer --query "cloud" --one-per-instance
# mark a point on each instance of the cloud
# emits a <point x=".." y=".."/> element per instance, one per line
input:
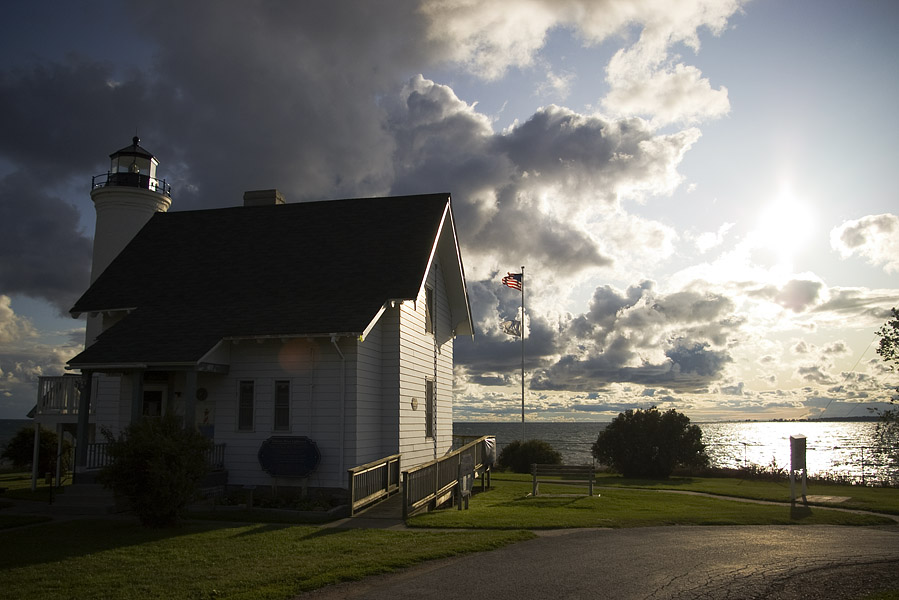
<point x="668" y="93"/>
<point x="24" y="356"/>
<point x="44" y="256"/>
<point x="711" y="239"/>
<point x="797" y="295"/>
<point x="13" y="328"/>
<point x="874" y="237"/>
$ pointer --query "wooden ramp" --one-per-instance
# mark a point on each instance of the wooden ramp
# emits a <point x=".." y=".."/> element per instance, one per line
<point x="387" y="514"/>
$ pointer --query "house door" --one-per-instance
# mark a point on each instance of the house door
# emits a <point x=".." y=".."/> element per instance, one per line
<point x="154" y="401"/>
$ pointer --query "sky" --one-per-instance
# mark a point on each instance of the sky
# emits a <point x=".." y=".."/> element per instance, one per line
<point x="701" y="192"/>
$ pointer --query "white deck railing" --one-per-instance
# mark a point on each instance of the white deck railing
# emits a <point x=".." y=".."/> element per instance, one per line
<point x="59" y="395"/>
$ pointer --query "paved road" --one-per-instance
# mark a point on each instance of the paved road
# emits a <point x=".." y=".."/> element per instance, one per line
<point x="659" y="563"/>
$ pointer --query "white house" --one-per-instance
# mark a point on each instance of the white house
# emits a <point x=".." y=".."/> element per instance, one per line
<point x="331" y="321"/>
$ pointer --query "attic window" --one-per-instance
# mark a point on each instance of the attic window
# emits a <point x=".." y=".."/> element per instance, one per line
<point x="429" y="309"/>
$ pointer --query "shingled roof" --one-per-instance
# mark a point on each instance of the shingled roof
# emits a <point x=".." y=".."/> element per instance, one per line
<point x="190" y="279"/>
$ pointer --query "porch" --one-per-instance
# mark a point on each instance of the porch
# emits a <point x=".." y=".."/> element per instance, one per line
<point x="61" y="400"/>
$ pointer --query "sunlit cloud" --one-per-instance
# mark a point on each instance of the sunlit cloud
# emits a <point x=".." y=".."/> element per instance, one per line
<point x="875" y="238"/>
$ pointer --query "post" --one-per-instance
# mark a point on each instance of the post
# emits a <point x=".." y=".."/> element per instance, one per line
<point x="190" y="399"/>
<point x="35" y="460"/>
<point x="405" y="477"/>
<point x="81" y="432"/>
<point x="797" y="462"/>
<point x="137" y="395"/>
<point x="523" y="434"/>
<point x="59" y="434"/>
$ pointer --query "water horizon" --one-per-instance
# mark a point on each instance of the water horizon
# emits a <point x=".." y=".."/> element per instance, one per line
<point x="840" y="449"/>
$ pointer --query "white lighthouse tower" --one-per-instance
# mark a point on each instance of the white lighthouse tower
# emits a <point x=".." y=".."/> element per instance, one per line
<point x="125" y="198"/>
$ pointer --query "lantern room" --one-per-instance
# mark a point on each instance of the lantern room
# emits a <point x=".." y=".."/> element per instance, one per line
<point x="133" y="166"/>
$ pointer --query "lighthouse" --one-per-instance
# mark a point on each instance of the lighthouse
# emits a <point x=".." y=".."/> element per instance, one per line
<point x="124" y="198"/>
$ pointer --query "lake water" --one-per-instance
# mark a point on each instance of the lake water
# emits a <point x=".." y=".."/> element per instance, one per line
<point x="840" y="449"/>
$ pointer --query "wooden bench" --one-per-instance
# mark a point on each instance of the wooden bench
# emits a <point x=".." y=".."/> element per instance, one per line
<point x="581" y="475"/>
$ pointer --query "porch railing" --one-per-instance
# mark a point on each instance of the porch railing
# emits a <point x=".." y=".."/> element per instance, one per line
<point x="429" y="485"/>
<point x="59" y="395"/>
<point x="97" y="457"/>
<point x="373" y="481"/>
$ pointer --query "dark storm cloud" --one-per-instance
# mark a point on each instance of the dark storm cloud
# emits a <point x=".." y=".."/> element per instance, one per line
<point x="613" y="341"/>
<point x="43" y="255"/>
<point x="441" y="143"/>
<point x="57" y="130"/>
<point x="317" y="100"/>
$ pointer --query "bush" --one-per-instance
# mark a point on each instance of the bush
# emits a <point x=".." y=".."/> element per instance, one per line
<point x="157" y="465"/>
<point x="20" y="450"/>
<point x="518" y="457"/>
<point x="649" y="443"/>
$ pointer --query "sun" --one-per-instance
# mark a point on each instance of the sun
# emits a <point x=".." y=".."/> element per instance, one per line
<point x="784" y="228"/>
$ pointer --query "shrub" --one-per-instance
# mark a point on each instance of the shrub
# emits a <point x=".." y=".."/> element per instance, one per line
<point x="518" y="457"/>
<point x="20" y="450"/>
<point x="157" y="465"/>
<point x="649" y="443"/>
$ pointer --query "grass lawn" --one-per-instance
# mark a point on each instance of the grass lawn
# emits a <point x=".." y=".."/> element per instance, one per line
<point x="204" y="559"/>
<point x="507" y="506"/>
<point x="119" y="559"/>
<point x="18" y="486"/>
<point x="883" y="500"/>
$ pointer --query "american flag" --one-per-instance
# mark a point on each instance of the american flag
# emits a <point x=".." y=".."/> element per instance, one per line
<point x="512" y="280"/>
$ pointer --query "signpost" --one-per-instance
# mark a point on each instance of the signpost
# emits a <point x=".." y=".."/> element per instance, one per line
<point x="466" y="479"/>
<point x="797" y="462"/>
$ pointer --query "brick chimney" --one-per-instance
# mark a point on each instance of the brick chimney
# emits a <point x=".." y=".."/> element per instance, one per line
<point x="262" y="198"/>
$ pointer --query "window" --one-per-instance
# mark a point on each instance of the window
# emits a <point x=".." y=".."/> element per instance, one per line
<point x="245" y="406"/>
<point x="429" y="310"/>
<point x="430" y="406"/>
<point x="282" y="406"/>
<point x="152" y="405"/>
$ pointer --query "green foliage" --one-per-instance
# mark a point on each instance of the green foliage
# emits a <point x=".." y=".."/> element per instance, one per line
<point x="650" y="443"/>
<point x="157" y="465"/>
<point x="888" y="428"/>
<point x="888" y="349"/>
<point x="20" y="450"/>
<point x="518" y="457"/>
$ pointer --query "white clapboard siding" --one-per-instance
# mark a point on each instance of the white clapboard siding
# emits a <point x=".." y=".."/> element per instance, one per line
<point x="312" y="366"/>
<point x="418" y="362"/>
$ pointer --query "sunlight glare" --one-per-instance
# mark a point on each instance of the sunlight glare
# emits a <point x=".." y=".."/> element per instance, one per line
<point x="784" y="227"/>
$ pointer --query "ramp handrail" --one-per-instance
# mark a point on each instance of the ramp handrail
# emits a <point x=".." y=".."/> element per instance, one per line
<point x="373" y="481"/>
<point x="431" y="483"/>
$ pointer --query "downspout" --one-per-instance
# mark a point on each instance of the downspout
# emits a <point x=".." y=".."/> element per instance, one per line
<point x="342" y="394"/>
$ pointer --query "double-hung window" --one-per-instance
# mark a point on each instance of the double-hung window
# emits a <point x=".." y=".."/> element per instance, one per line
<point x="245" y="405"/>
<point x="430" y="312"/>
<point x="282" y="405"/>
<point x="430" y="407"/>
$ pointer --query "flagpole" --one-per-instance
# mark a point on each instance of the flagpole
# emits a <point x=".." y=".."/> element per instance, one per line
<point x="523" y="438"/>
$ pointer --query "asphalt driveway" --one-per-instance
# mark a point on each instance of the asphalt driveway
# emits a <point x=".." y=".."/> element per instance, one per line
<point x="776" y="562"/>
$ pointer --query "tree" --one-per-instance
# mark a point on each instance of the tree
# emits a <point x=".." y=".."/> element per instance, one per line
<point x="20" y="450"/>
<point x="157" y="465"/>
<point x="650" y="443"/>
<point x="888" y="428"/>
<point x="518" y="457"/>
